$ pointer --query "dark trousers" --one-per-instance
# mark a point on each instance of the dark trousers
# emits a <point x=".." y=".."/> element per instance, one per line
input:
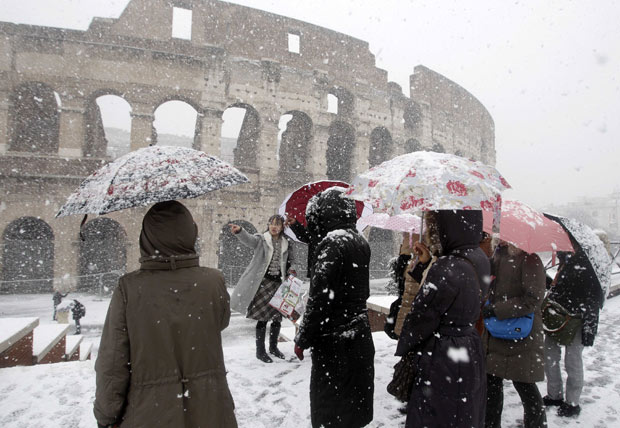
<point x="534" y="410"/>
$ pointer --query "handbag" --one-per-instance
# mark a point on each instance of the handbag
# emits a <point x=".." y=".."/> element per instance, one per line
<point x="510" y="328"/>
<point x="289" y="298"/>
<point x="558" y="323"/>
<point x="404" y="375"/>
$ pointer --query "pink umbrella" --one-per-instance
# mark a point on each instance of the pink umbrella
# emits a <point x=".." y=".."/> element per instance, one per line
<point x="399" y="222"/>
<point x="528" y="229"/>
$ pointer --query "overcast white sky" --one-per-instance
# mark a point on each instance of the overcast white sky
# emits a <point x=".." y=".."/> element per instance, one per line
<point x="547" y="71"/>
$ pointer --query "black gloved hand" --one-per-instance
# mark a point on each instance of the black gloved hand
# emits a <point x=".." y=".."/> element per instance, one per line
<point x="488" y="311"/>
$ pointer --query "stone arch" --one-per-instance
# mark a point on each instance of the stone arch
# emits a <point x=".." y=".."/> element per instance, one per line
<point x="340" y="146"/>
<point x="412" y="117"/>
<point x="380" y="146"/>
<point x="102" y="255"/>
<point x="244" y="148"/>
<point x="35" y="119"/>
<point x="28" y="256"/>
<point x="412" y="145"/>
<point x="234" y="257"/>
<point x="177" y="103"/>
<point x="98" y="142"/>
<point x="295" y="144"/>
<point x="382" y="250"/>
<point x="346" y="100"/>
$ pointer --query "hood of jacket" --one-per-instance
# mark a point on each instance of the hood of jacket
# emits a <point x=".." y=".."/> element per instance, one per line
<point x="459" y="229"/>
<point x="168" y="235"/>
<point x="329" y="210"/>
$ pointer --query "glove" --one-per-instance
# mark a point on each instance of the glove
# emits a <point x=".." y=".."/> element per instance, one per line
<point x="299" y="352"/>
<point x="488" y="311"/>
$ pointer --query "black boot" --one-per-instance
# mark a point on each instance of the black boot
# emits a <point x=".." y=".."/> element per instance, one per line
<point x="261" y="354"/>
<point x="274" y="333"/>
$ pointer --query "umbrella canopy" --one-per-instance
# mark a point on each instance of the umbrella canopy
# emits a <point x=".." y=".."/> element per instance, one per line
<point x="148" y="175"/>
<point x="592" y="246"/>
<point x="400" y="222"/>
<point x="528" y="229"/>
<point x="294" y="205"/>
<point x="426" y="181"/>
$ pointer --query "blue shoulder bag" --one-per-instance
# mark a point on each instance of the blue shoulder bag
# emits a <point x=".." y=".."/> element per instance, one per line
<point x="510" y="328"/>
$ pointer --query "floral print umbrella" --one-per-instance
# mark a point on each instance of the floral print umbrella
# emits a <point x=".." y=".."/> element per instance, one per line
<point x="428" y="181"/>
<point x="148" y="175"/>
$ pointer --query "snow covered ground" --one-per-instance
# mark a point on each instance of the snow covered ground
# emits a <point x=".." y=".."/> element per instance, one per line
<point x="266" y="395"/>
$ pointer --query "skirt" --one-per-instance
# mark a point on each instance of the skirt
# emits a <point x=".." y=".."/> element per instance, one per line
<point x="259" y="308"/>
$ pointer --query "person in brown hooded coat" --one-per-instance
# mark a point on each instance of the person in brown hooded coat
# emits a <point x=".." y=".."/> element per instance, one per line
<point x="160" y="361"/>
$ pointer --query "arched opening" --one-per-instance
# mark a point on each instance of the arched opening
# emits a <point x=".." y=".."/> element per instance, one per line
<point x="108" y="126"/>
<point x="294" y="142"/>
<point x="380" y="146"/>
<point x="103" y="255"/>
<point x="34" y="119"/>
<point x="413" y="119"/>
<point x="382" y="249"/>
<point x="233" y="255"/>
<point x="340" y="145"/>
<point x="412" y="145"/>
<point x="28" y="257"/>
<point x="175" y="124"/>
<point x="240" y="135"/>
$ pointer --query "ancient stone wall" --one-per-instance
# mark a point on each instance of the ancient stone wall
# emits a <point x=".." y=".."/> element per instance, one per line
<point x="51" y="132"/>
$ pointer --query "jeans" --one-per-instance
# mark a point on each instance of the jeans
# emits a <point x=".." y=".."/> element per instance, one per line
<point x="573" y="364"/>
<point x="534" y="411"/>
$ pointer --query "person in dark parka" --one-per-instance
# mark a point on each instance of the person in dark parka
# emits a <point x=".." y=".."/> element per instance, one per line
<point x="160" y="361"/>
<point x="578" y="290"/>
<point x="335" y="324"/>
<point x="450" y="385"/>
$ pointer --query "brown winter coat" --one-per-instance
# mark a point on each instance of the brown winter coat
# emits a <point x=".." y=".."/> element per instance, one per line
<point x="518" y="290"/>
<point x="160" y="361"/>
<point x="411" y="290"/>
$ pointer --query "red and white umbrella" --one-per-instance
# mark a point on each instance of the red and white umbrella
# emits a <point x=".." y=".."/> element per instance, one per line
<point x="528" y="229"/>
<point x="149" y="175"/>
<point x="427" y="181"/>
<point x="294" y="205"/>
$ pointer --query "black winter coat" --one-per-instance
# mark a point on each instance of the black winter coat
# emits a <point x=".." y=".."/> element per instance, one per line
<point x="578" y="290"/>
<point x="450" y="385"/>
<point x="335" y="323"/>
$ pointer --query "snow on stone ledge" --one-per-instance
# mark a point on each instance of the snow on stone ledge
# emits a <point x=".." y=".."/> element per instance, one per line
<point x="45" y="337"/>
<point x="380" y="303"/>
<point x="13" y="329"/>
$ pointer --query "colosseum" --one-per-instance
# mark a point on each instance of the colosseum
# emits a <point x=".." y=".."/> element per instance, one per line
<point x="343" y="116"/>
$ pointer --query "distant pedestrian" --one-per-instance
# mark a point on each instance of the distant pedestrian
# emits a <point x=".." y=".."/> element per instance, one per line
<point x="79" y="311"/>
<point x="57" y="299"/>
<point x="259" y="282"/>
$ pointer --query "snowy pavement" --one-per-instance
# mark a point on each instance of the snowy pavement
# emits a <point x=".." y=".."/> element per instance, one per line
<point x="267" y="395"/>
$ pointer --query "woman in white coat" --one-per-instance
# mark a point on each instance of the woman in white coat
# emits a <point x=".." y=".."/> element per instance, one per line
<point x="260" y="280"/>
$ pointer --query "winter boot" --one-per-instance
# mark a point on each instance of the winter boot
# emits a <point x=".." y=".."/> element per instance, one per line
<point x="548" y="401"/>
<point x="261" y="353"/>
<point x="568" y="410"/>
<point x="274" y="333"/>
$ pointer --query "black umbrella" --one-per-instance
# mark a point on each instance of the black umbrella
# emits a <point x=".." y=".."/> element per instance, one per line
<point x="589" y="252"/>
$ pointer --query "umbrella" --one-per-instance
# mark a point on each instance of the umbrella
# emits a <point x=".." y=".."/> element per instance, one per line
<point x="593" y="248"/>
<point x="148" y="175"/>
<point x="294" y="205"/>
<point x="528" y="229"/>
<point x="425" y="181"/>
<point x="400" y="222"/>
